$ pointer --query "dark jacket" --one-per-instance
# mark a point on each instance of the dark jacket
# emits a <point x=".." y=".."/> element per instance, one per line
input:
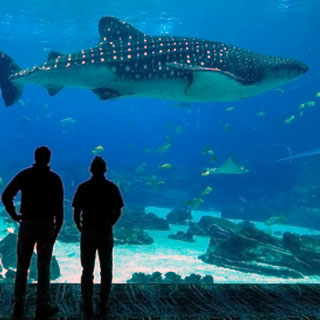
<point x="99" y="201"/>
<point x="41" y="195"/>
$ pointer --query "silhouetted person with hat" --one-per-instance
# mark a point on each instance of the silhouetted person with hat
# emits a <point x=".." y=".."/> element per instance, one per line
<point x="97" y="207"/>
<point x="40" y="217"/>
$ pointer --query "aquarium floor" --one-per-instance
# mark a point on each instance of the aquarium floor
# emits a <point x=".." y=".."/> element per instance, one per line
<point x="183" y="301"/>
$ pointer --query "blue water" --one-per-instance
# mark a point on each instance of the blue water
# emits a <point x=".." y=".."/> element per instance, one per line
<point x="126" y="127"/>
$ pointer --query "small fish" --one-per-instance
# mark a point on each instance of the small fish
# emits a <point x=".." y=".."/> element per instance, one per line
<point x="260" y="114"/>
<point x="194" y="203"/>
<point x="97" y="150"/>
<point x="178" y="130"/>
<point x="318" y="94"/>
<point x="10" y="230"/>
<point x="140" y="169"/>
<point x="131" y="145"/>
<point x="289" y="120"/>
<point x="230" y="109"/>
<point x="147" y="150"/>
<point x="1" y="182"/>
<point x="164" y="148"/>
<point x="66" y="122"/>
<point x="275" y="220"/>
<point x="226" y="127"/>
<point x="207" y="172"/>
<point x="165" y="166"/>
<point x="207" y="190"/>
<point x="311" y="104"/>
<point x="207" y="150"/>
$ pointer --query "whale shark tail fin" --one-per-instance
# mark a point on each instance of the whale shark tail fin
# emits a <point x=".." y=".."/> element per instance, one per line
<point x="11" y="92"/>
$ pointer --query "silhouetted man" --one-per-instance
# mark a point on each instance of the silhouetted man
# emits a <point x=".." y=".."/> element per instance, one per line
<point x="41" y="218"/>
<point x="97" y="207"/>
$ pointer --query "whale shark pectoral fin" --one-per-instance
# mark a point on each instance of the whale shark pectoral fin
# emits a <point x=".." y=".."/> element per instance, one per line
<point x="113" y="29"/>
<point x="54" y="55"/>
<point x="203" y="77"/>
<point x="106" y="93"/>
<point x="53" y="90"/>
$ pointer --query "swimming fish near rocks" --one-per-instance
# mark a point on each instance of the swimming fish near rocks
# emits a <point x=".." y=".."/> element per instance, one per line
<point x="129" y="63"/>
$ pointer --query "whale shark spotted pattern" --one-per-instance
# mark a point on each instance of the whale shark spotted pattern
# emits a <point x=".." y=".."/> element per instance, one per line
<point x="127" y="63"/>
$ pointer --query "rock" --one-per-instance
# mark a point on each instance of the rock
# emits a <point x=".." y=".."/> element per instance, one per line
<point x="193" y="278"/>
<point x="218" y="228"/>
<point x="132" y="219"/>
<point x="8" y="249"/>
<point x="172" y="277"/>
<point x="169" y="277"/>
<point x="140" y="277"/>
<point x="306" y="249"/>
<point x="252" y="250"/>
<point x="179" y="216"/>
<point x="54" y="271"/>
<point x="207" y="279"/>
<point x="129" y="236"/>
<point x="183" y="236"/>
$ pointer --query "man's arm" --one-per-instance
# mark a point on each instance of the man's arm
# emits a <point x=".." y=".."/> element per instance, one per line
<point x="76" y="217"/>
<point x="8" y="196"/>
<point x="59" y="210"/>
<point x="115" y="216"/>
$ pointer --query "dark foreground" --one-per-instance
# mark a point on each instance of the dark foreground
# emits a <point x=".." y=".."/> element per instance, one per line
<point x="183" y="301"/>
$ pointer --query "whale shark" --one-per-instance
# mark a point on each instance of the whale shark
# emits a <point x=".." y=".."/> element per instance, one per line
<point x="127" y="62"/>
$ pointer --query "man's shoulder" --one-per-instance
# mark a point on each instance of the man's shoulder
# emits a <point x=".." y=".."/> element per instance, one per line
<point x="24" y="172"/>
<point x="84" y="184"/>
<point x="54" y="175"/>
<point x="111" y="184"/>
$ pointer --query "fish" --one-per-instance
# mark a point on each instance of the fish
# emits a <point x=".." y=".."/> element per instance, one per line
<point x="97" y="150"/>
<point x="164" y="148"/>
<point x="127" y="62"/>
<point x="260" y="114"/>
<point x="194" y="203"/>
<point x="67" y="121"/>
<point x="289" y="120"/>
<point x="230" y="166"/>
<point x="309" y="153"/>
<point x="275" y="220"/>
<point x="207" y="190"/>
<point x="309" y="104"/>
<point x="1" y="182"/>
<point x="165" y="166"/>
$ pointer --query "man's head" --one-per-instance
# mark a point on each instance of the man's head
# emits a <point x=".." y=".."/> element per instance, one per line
<point x="42" y="155"/>
<point x="98" y="166"/>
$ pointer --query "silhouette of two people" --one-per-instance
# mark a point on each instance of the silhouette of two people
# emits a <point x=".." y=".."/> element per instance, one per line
<point x="97" y="207"/>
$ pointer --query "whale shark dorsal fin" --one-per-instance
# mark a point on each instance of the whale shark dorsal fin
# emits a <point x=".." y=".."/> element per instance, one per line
<point x="54" y="55"/>
<point x="113" y="29"/>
